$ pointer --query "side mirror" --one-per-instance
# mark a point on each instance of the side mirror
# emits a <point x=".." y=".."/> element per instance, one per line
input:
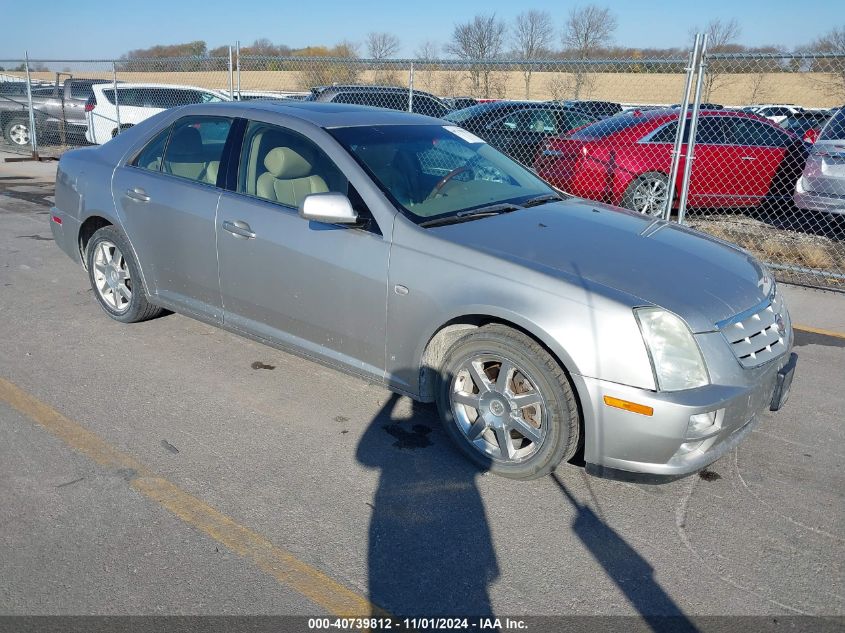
<point x="329" y="208"/>
<point x="811" y="135"/>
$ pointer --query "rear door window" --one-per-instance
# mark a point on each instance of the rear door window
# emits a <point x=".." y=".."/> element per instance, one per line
<point x="743" y="131"/>
<point x="530" y="121"/>
<point x="710" y="132"/>
<point x="426" y="105"/>
<point x="196" y="147"/>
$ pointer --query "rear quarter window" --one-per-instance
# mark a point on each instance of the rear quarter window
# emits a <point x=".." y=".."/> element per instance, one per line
<point x="835" y="128"/>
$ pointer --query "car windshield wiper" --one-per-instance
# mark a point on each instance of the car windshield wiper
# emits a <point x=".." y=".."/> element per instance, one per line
<point x="546" y="197"/>
<point x="472" y="214"/>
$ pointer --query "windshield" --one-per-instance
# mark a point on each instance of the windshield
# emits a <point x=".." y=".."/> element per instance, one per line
<point x="437" y="171"/>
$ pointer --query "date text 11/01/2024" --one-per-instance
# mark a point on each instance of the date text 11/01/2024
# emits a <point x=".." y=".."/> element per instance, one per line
<point x="416" y="624"/>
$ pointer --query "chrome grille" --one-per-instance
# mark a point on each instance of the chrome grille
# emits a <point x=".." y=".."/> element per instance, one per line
<point x="760" y="335"/>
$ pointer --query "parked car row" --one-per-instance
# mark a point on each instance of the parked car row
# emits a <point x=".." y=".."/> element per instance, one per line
<point x="742" y="160"/>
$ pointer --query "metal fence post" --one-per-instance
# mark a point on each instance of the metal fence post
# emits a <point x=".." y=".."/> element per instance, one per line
<point x="33" y="141"/>
<point x="682" y="124"/>
<point x="116" y="99"/>
<point x="238" y="61"/>
<point x="411" y="88"/>
<point x="699" y="80"/>
<point x="231" y="77"/>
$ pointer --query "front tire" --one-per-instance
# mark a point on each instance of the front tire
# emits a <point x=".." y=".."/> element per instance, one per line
<point x="116" y="278"/>
<point x="519" y="424"/>
<point x="16" y="132"/>
<point x="647" y="194"/>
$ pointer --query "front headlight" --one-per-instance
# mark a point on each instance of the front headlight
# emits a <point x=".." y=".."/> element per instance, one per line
<point x="674" y="354"/>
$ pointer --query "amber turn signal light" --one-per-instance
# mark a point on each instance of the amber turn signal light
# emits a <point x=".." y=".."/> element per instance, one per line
<point x="633" y="407"/>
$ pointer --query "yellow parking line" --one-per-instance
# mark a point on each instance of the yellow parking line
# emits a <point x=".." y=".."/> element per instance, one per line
<point x="279" y="563"/>
<point x="815" y="330"/>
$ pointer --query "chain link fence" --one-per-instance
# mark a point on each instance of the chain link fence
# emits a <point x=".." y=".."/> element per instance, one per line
<point x="766" y="174"/>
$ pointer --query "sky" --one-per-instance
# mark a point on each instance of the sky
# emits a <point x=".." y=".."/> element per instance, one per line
<point x="100" y="29"/>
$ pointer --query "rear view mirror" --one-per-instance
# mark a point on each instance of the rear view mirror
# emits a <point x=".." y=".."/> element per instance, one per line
<point x="329" y="208"/>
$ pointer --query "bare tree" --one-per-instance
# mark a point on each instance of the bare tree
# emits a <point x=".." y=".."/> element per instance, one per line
<point x="382" y="45"/>
<point x="532" y="36"/>
<point x="758" y="91"/>
<point x="479" y="42"/>
<point x="587" y="29"/>
<point x="833" y="81"/>
<point x="427" y="54"/>
<point x="721" y="38"/>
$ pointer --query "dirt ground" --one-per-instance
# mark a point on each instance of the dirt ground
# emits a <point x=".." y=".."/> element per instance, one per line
<point x="812" y="90"/>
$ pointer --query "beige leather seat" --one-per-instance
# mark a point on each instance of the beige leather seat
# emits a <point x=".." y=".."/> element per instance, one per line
<point x="288" y="178"/>
<point x="184" y="154"/>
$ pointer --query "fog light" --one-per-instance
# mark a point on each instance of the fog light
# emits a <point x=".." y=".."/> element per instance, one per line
<point x="703" y="425"/>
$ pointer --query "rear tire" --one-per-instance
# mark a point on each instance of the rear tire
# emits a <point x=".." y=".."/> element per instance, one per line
<point x="519" y="425"/>
<point x="116" y="278"/>
<point x="647" y="194"/>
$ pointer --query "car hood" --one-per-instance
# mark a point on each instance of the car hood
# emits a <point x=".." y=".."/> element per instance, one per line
<point x="697" y="277"/>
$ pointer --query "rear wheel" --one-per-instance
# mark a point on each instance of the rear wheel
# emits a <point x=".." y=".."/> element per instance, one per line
<point x="16" y="132"/>
<point x="507" y="403"/>
<point x="116" y="279"/>
<point x="648" y="194"/>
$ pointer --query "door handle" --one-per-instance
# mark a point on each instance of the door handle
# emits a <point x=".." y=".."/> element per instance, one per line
<point x="749" y="158"/>
<point x="136" y="193"/>
<point x="238" y="228"/>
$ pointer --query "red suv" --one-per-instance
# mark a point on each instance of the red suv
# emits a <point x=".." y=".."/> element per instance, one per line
<point x="741" y="160"/>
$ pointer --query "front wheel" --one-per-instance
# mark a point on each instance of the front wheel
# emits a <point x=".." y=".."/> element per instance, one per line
<point x="16" y="132"/>
<point x="507" y="403"/>
<point x="648" y="194"/>
<point x="116" y="278"/>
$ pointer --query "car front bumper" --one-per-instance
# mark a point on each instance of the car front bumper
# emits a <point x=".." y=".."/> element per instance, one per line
<point x="623" y="444"/>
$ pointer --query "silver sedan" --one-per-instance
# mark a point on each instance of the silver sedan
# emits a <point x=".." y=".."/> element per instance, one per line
<point x="407" y="251"/>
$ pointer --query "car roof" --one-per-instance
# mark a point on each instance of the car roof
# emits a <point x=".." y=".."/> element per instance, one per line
<point x="319" y="90"/>
<point x="106" y="84"/>
<point x="328" y="115"/>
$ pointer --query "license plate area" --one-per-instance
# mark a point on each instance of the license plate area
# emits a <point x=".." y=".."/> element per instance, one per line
<point x="783" y="383"/>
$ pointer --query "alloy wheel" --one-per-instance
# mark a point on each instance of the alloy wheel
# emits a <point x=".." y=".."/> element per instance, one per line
<point x="111" y="276"/>
<point x="497" y="406"/>
<point x="650" y="197"/>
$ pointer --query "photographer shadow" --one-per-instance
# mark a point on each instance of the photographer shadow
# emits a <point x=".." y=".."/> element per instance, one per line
<point x="430" y="551"/>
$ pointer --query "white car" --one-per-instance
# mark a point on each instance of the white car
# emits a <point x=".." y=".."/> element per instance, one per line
<point x="776" y="112"/>
<point x="135" y="102"/>
<point x="251" y="95"/>
<point x="822" y="185"/>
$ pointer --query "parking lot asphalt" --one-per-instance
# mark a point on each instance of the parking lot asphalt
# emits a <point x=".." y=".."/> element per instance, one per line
<point x="171" y="467"/>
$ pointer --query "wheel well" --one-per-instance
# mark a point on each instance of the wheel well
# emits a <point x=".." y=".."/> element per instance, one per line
<point x="439" y="343"/>
<point x="88" y="228"/>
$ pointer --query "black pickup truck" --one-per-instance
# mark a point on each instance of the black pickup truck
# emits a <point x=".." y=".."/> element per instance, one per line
<point x="59" y="110"/>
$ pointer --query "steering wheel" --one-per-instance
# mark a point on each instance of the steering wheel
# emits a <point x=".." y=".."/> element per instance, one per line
<point x="442" y="182"/>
